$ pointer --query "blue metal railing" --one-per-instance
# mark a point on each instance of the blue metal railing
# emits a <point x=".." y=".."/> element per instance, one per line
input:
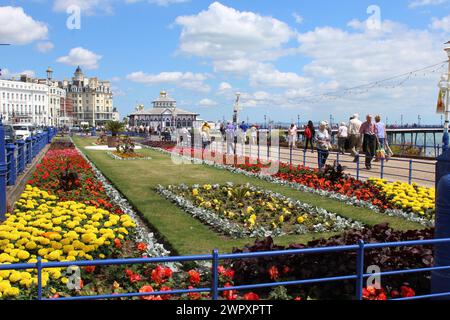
<point x="15" y="157"/>
<point x="360" y="248"/>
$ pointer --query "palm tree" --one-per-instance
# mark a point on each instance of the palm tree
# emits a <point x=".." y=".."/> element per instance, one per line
<point x="115" y="127"/>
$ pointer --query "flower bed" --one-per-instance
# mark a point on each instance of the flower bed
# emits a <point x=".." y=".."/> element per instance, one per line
<point x="127" y="156"/>
<point x="314" y="266"/>
<point x="354" y="192"/>
<point x="246" y="211"/>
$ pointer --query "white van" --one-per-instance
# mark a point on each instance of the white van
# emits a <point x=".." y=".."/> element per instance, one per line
<point x="23" y="130"/>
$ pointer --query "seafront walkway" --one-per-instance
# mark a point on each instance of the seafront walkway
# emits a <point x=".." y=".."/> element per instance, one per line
<point x="407" y="170"/>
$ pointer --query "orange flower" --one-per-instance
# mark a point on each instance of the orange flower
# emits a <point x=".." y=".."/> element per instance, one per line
<point x="141" y="246"/>
<point x="117" y="243"/>
<point x="89" y="269"/>
<point x="145" y="289"/>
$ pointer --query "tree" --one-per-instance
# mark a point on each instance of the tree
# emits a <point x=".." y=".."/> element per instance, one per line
<point x="115" y="127"/>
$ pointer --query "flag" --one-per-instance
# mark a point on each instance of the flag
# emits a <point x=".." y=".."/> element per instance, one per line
<point x="440" y="103"/>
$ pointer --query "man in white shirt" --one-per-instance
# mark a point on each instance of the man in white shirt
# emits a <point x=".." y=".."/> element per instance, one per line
<point x="354" y="136"/>
<point x="342" y="137"/>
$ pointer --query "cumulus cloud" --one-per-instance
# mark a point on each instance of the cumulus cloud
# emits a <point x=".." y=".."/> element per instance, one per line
<point x="81" y="57"/>
<point x="422" y="3"/>
<point x="7" y="74"/>
<point x="224" y="33"/>
<point x="187" y="80"/>
<point x="441" y="24"/>
<point x="298" y="18"/>
<point x="88" y="7"/>
<point x="44" y="46"/>
<point x="18" y="28"/>
<point x="207" y="103"/>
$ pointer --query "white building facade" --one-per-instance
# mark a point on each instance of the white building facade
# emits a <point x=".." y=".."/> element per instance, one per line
<point x="24" y="102"/>
<point x="92" y="99"/>
<point x="164" y="114"/>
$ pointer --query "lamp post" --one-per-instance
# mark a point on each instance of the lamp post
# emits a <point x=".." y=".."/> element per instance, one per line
<point x="444" y="84"/>
<point x="298" y="121"/>
<point x="265" y="122"/>
<point x="419" y="118"/>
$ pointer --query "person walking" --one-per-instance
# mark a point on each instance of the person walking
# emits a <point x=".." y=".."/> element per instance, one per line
<point x="229" y="135"/>
<point x="381" y="132"/>
<point x="253" y="135"/>
<point x="310" y="133"/>
<point x="342" y="137"/>
<point x="323" y="140"/>
<point x="369" y="131"/>
<point x="292" y="136"/>
<point x="206" y="139"/>
<point x="354" y="136"/>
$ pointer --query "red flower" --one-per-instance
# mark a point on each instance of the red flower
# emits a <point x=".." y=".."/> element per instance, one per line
<point x="229" y="294"/>
<point x="273" y="273"/>
<point x="251" y="296"/>
<point x="166" y="296"/>
<point x="128" y="272"/>
<point x="117" y="243"/>
<point x="135" y="278"/>
<point x="141" y="246"/>
<point x="193" y="295"/>
<point x="407" y="292"/>
<point x="194" y="277"/>
<point x="89" y="269"/>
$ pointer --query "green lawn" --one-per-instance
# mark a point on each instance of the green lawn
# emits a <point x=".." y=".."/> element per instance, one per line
<point x="137" y="180"/>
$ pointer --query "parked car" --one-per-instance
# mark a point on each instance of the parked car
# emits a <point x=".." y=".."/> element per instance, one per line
<point x="10" y="134"/>
<point x="23" y="130"/>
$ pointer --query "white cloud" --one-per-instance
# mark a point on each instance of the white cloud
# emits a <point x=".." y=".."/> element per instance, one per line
<point x="223" y="33"/>
<point x="88" y="7"/>
<point x="441" y="24"/>
<point x="421" y="3"/>
<point x="6" y="74"/>
<point x="187" y="80"/>
<point x="298" y="18"/>
<point x="163" y="3"/>
<point x="267" y="76"/>
<point x="18" y="28"/>
<point x="44" y="46"/>
<point x="207" y="103"/>
<point x="81" y="57"/>
<point x="224" y="86"/>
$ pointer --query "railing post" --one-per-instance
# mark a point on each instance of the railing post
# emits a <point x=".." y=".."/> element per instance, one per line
<point x="33" y="147"/>
<point x="337" y="157"/>
<point x="410" y="171"/>
<point x="290" y="155"/>
<point x="304" y="157"/>
<point x="382" y="169"/>
<point x="20" y="156"/>
<point x="440" y="279"/>
<point x="11" y="159"/>
<point x="358" y="164"/>
<point x="3" y="171"/>
<point x="29" y="155"/>
<point x="215" y="275"/>
<point x="360" y="270"/>
<point x="39" y="277"/>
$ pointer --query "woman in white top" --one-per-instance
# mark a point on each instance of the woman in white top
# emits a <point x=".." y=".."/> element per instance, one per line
<point x="342" y="137"/>
<point x="292" y="136"/>
<point x="323" y="142"/>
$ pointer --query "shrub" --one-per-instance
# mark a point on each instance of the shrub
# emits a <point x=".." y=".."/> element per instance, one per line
<point x="312" y="266"/>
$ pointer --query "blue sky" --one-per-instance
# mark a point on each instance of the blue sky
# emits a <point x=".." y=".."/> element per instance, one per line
<point x="276" y="53"/>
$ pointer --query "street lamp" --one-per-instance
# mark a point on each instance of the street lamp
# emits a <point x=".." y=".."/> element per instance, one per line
<point x="298" y="121"/>
<point x="444" y="85"/>
<point x="419" y="118"/>
<point x="265" y="122"/>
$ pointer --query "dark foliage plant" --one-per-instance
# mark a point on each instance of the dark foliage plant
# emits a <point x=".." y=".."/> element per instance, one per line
<point x="314" y="266"/>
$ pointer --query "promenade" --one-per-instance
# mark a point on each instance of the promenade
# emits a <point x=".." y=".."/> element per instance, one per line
<point x="406" y="170"/>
